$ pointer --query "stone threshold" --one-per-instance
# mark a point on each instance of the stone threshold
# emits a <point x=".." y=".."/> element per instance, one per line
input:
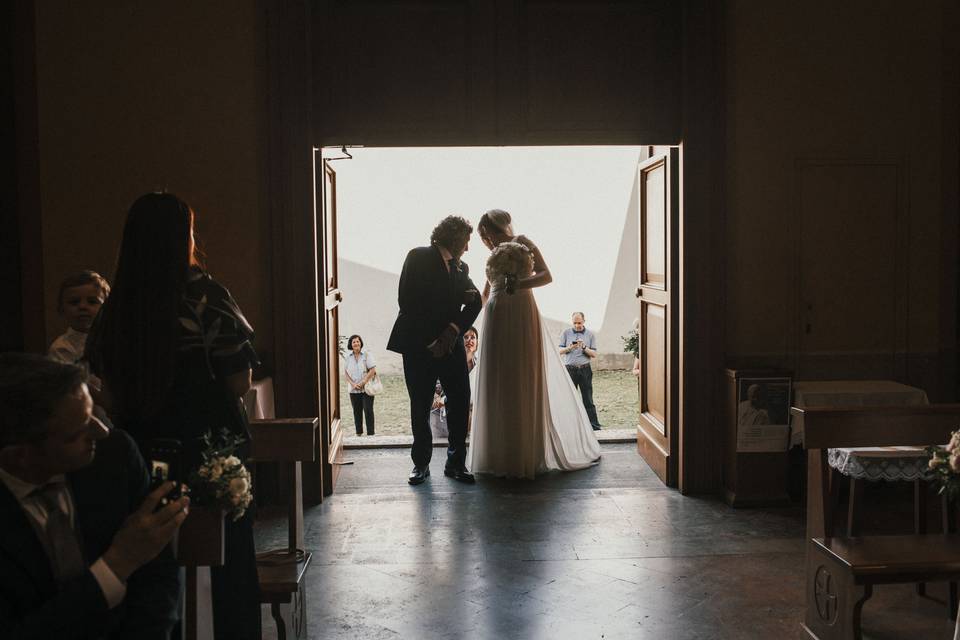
<point x="605" y="436"/>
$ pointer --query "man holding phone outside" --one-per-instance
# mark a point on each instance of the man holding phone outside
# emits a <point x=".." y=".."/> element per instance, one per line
<point x="578" y="346"/>
<point x="84" y="544"/>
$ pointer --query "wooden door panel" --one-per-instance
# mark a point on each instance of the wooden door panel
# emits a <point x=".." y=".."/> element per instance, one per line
<point x="850" y="293"/>
<point x="331" y="424"/>
<point x="653" y="392"/>
<point x="658" y="211"/>
<point x="654" y="227"/>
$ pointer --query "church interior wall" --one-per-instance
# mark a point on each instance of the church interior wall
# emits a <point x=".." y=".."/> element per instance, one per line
<point x="153" y="96"/>
<point x="849" y="85"/>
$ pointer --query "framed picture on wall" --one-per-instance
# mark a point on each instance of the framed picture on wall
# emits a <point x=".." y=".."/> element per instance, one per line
<point x="763" y="414"/>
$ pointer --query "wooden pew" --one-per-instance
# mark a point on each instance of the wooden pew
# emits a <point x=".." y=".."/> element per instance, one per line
<point x="199" y="546"/>
<point x="288" y="442"/>
<point x="841" y="572"/>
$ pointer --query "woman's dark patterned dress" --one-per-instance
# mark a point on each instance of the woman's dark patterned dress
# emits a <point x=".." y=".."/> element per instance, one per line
<point x="214" y="342"/>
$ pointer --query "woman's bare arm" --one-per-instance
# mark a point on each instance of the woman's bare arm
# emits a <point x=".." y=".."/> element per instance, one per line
<point x="372" y="371"/>
<point x="541" y="273"/>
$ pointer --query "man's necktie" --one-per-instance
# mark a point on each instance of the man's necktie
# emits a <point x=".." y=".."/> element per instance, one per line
<point x="60" y="539"/>
<point x="452" y="264"/>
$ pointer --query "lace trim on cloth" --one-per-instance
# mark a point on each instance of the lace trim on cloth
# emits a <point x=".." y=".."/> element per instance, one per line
<point x="880" y="463"/>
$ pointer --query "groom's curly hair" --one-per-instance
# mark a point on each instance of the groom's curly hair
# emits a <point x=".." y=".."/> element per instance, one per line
<point x="450" y="230"/>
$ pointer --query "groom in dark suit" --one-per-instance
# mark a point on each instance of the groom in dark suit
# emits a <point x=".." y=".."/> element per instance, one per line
<point x="83" y="549"/>
<point x="438" y="303"/>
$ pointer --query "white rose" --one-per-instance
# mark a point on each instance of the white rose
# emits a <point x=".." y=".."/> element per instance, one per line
<point x="232" y="461"/>
<point x="239" y="486"/>
<point x="954" y="442"/>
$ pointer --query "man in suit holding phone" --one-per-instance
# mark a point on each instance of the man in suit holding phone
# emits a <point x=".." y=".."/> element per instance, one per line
<point x="438" y="303"/>
<point x="84" y="549"/>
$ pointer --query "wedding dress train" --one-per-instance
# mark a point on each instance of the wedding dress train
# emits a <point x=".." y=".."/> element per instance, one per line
<point x="527" y="416"/>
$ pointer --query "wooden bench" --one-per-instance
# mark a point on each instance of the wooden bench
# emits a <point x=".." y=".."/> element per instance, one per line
<point x="841" y="574"/>
<point x="841" y="571"/>
<point x="199" y="546"/>
<point x="288" y="442"/>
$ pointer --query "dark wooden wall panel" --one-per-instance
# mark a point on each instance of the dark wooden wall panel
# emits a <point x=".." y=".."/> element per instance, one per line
<point x="470" y="72"/>
<point x="392" y="69"/>
<point x="600" y="67"/>
<point x="22" y="244"/>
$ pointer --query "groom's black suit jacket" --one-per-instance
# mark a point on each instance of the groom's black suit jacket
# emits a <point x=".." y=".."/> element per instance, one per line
<point x="430" y="299"/>
<point x="104" y="493"/>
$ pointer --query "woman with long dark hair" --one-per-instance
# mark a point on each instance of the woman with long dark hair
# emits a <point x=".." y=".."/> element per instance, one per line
<point x="175" y="355"/>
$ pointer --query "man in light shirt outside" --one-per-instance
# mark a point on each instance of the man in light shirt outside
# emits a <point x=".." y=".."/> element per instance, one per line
<point x="578" y="346"/>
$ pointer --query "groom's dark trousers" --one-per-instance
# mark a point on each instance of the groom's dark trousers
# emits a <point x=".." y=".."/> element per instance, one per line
<point x="431" y="298"/>
<point x="421" y="373"/>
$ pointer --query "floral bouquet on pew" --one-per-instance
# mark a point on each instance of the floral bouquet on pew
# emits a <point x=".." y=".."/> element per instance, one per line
<point x="945" y="466"/>
<point x="222" y="480"/>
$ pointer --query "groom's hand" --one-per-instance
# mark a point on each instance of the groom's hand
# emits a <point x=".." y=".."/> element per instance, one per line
<point x="444" y="342"/>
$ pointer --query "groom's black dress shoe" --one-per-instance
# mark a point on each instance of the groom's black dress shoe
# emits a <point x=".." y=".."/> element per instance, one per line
<point x="418" y="475"/>
<point x="460" y="475"/>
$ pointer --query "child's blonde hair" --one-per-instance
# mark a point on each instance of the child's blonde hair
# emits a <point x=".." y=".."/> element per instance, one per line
<point x="78" y="280"/>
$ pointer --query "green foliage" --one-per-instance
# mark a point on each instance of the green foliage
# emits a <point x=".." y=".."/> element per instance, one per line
<point x="943" y="472"/>
<point x="631" y="343"/>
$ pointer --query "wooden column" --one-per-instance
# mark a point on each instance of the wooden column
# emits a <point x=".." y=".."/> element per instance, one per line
<point x="702" y="224"/>
<point x="290" y="157"/>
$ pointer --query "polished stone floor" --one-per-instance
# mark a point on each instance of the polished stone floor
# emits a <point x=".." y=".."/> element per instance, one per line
<point x="607" y="552"/>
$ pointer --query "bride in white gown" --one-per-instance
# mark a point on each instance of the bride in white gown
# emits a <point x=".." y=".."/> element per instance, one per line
<point x="527" y="416"/>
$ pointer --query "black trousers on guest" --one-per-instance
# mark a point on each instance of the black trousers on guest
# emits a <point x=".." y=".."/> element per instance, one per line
<point x="362" y="406"/>
<point x="582" y="377"/>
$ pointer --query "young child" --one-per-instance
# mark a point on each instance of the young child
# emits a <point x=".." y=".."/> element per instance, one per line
<point x="79" y="300"/>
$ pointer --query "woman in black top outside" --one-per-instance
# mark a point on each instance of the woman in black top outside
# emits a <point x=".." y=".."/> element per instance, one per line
<point x="175" y="355"/>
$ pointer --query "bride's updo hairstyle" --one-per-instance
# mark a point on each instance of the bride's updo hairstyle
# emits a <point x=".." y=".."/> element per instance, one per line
<point x="496" y="219"/>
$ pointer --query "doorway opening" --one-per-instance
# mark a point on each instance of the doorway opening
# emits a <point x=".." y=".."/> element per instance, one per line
<point x="581" y="205"/>
<point x="573" y="201"/>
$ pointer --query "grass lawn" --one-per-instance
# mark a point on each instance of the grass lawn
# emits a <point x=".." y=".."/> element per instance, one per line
<point x="614" y="393"/>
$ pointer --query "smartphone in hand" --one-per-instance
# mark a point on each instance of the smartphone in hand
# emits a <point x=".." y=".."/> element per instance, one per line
<point x="164" y="462"/>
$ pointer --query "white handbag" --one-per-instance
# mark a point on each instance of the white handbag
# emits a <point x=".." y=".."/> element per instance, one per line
<point x="374" y="386"/>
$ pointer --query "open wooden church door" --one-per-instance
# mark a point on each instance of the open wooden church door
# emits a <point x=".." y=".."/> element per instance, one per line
<point x="658" y="184"/>
<point x="325" y="210"/>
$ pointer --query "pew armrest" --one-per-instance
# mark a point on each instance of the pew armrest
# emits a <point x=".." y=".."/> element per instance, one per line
<point x="284" y="440"/>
